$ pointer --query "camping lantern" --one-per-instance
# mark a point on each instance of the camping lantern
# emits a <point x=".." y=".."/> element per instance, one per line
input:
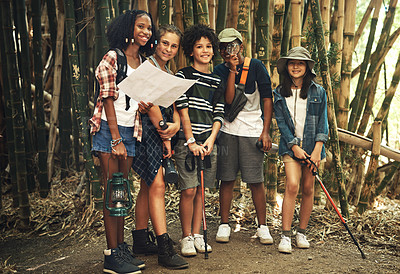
<point x="118" y="188"/>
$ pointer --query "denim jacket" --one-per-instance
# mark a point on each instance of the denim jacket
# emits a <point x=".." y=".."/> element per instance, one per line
<point x="316" y="123"/>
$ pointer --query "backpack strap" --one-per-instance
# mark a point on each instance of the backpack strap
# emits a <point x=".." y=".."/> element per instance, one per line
<point x="245" y="70"/>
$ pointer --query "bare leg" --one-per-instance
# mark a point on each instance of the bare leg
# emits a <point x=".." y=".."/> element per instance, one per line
<point x="293" y="175"/>
<point x="197" y="212"/>
<point x="186" y="210"/>
<point x="142" y="207"/>
<point x="156" y="200"/>
<point x="307" y="198"/>
<point x="225" y="199"/>
<point x="259" y="201"/>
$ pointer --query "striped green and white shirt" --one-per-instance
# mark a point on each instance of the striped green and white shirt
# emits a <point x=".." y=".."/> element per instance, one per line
<point x="205" y="101"/>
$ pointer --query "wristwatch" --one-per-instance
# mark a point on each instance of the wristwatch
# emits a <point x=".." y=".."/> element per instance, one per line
<point x="191" y="140"/>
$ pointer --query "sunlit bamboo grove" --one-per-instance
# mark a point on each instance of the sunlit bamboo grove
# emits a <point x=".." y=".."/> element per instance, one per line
<point x="50" y="48"/>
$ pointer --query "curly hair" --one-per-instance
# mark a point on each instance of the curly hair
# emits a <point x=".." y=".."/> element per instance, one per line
<point x="120" y="31"/>
<point x="168" y="28"/>
<point x="194" y="34"/>
<point x="287" y="83"/>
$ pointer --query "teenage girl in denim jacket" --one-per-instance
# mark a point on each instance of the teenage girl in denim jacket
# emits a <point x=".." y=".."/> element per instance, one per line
<point x="301" y="113"/>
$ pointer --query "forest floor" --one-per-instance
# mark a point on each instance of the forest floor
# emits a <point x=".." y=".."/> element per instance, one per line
<point x="67" y="238"/>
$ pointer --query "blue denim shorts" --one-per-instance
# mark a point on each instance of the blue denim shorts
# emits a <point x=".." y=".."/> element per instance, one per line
<point x="101" y="140"/>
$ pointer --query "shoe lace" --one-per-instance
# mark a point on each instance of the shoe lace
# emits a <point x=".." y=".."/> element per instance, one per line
<point x="301" y="237"/>
<point x="151" y="239"/>
<point x="286" y="239"/>
<point x="200" y="239"/>
<point x="121" y="256"/>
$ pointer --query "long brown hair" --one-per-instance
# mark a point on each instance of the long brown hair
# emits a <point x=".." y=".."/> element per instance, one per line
<point x="286" y="83"/>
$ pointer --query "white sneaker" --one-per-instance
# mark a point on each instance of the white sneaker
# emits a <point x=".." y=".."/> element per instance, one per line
<point x="264" y="235"/>
<point x="285" y="246"/>
<point x="301" y="240"/>
<point x="187" y="247"/>
<point x="223" y="234"/>
<point x="200" y="245"/>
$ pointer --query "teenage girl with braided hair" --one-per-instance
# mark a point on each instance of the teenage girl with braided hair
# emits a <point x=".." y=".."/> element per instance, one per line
<point x="147" y="163"/>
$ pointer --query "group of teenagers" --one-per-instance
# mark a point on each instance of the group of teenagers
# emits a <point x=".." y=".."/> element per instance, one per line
<point x="128" y="134"/>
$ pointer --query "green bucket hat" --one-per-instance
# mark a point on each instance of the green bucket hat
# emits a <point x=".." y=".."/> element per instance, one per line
<point x="297" y="53"/>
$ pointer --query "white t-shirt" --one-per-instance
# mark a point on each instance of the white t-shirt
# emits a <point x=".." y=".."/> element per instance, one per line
<point x="248" y="123"/>
<point x="125" y="118"/>
<point x="297" y="108"/>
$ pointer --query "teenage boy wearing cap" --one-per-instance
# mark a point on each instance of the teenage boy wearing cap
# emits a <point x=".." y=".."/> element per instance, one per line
<point x="237" y="141"/>
<point x="301" y="113"/>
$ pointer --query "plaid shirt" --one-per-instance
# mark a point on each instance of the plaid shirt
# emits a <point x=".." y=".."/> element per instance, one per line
<point x="106" y="74"/>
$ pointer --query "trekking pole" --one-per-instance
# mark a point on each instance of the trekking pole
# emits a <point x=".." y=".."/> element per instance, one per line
<point x="316" y="174"/>
<point x="201" y="168"/>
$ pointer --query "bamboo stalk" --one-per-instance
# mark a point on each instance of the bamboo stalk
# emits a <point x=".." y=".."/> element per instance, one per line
<point x="371" y="81"/>
<point x="221" y="15"/>
<point x="334" y="139"/>
<point x="389" y="176"/>
<point x="65" y="125"/>
<point x="368" y="188"/>
<point x="142" y="5"/>
<point x="222" y="10"/>
<point x="363" y="22"/>
<point x="124" y="6"/>
<point x="337" y="39"/>
<point x="287" y="28"/>
<point x="271" y="178"/>
<point x="262" y="32"/>
<point x="178" y="21"/>
<point x="188" y="17"/>
<point x="8" y="119"/>
<point x="279" y="11"/>
<point x="25" y="76"/>
<point x="102" y="18"/>
<point x="56" y="94"/>
<point x="243" y="26"/>
<point x="347" y="55"/>
<point x="52" y="15"/>
<point x="325" y="6"/>
<point x="365" y="143"/>
<point x="80" y="97"/>
<point x="38" y="91"/>
<point x="163" y="12"/>
<point x="114" y="8"/>
<point x="234" y="15"/>
<point x="17" y="111"/>
<point x="211" y="13"/>
<point x="393" y="37"/>
<point x="357" y="104"/>
<point x="384" y="109"/>
<point x="296" y="23"/>
<point x="201" y="12"/>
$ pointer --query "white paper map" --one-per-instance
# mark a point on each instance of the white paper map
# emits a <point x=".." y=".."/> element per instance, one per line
<point x="150" y="84"/>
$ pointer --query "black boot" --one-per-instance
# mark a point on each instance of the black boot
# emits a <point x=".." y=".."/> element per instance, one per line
<point x="166" y="254"/>
<point x="144" y="242"/>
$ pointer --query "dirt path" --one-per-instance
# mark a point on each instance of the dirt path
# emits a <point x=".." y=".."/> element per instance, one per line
<point x="243" y="254"/>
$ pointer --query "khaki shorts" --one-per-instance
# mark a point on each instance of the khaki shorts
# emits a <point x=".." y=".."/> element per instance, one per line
<point x="191" y="179"/>
<point x="239" y="153"/>
<point x="287" y="159"/>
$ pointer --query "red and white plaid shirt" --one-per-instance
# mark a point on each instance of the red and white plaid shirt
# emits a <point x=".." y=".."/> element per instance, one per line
<point x="106" y="74"/>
